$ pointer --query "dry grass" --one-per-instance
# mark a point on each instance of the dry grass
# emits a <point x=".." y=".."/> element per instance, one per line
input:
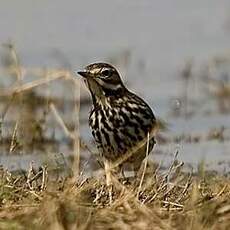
<point x="170" y="200"/>
<point x="43" y="199"/>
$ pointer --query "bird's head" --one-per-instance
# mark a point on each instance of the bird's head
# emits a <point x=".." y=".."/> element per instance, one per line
<point x="103" y="80"/>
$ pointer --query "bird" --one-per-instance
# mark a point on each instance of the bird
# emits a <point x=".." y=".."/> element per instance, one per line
<point x="123" y="124"/>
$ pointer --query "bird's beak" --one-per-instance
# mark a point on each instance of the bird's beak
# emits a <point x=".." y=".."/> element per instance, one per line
<point x="83" y="73"/>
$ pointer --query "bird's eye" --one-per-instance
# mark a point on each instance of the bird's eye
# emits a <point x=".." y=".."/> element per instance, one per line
<point x="106" y="73"/>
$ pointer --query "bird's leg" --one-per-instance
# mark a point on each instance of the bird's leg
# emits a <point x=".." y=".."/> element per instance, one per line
<point x="121" y="172"/>
<point x="108" y="173"/>
<point x="108" y="179"/>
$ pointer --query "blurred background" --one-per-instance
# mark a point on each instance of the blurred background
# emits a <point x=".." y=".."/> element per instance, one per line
<point x="175" y="54"/>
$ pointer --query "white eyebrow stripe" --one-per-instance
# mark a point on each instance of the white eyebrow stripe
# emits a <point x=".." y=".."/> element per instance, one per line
<point x="105" y="68"/>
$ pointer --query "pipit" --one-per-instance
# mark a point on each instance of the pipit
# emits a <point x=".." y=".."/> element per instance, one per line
<point x="122" y="124"/>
